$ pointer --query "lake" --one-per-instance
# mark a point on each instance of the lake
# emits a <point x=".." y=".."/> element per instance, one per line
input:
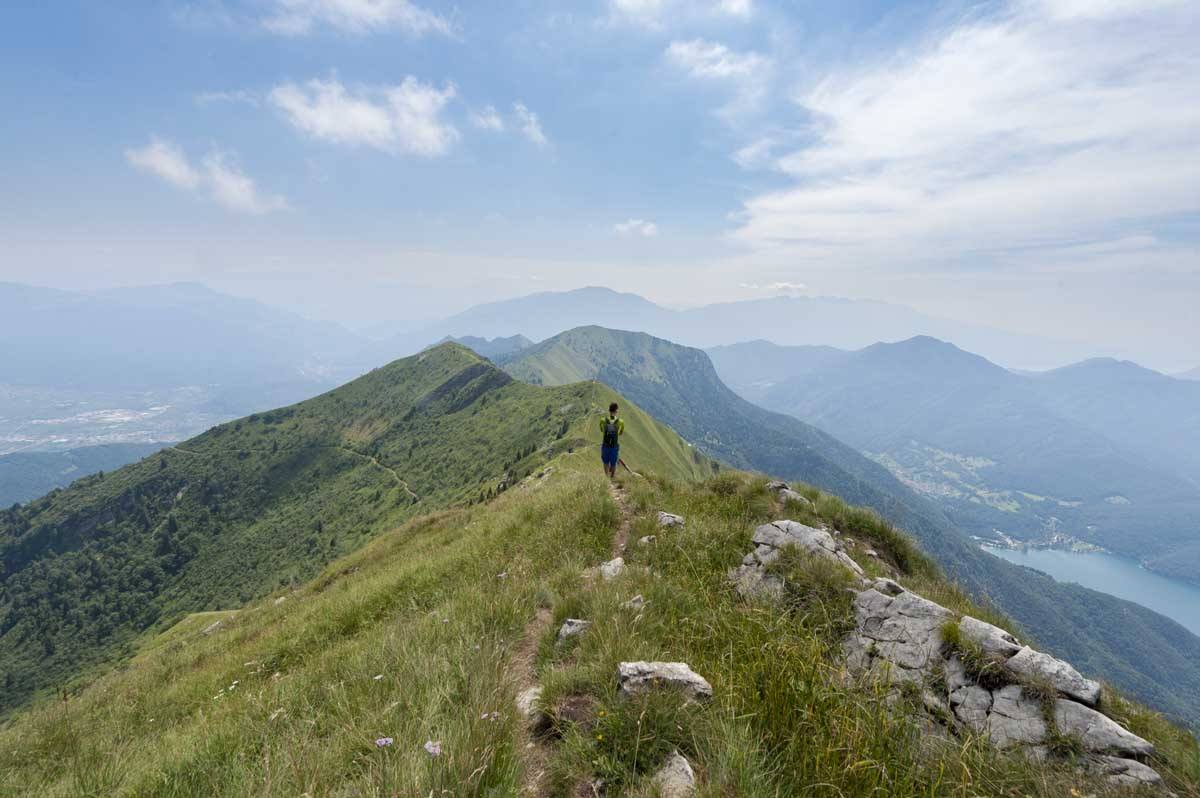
<point x="1117" y="576"/>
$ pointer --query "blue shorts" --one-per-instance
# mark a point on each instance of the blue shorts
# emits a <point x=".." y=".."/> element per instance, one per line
<point x="609" y="455"/>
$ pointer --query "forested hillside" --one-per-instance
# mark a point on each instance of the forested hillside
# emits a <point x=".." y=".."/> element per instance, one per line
<point x="265" y="501"/>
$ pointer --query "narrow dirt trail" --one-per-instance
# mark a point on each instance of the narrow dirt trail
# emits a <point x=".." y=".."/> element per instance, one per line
<point x="621" y="536"/>
<point x="535" y="750"/>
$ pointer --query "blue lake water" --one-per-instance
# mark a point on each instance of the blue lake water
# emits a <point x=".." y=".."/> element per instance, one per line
<point x="1117" y="576"/>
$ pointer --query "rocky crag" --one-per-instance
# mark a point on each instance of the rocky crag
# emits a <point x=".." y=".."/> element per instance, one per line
<point x="970" y="677"/>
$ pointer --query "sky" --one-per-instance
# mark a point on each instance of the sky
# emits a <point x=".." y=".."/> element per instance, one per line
<point x="1032" y="165"/>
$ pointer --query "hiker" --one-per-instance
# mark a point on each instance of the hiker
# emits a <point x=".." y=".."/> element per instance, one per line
<point x="612" y="428"/>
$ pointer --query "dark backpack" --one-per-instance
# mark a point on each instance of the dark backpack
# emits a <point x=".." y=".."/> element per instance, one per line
<point x="611" y="433"/>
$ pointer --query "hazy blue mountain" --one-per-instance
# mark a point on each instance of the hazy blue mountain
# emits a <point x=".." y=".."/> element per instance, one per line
<point x="827" y="321"/>
<point x="1148" y="412"/>
<point x="28" y="475"/>
<point x="1066" y="455"/>
<point x="164" y="336"/>
<point x="1194" y="374"/>
<point x="492" y="348"/>
<point x="1127" y="643"/>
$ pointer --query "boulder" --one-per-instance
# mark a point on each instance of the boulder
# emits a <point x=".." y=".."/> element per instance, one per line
<point x="753" y="582"/>
<point x="789" y="495"/>
<point x="613" y="568"/>
<point x="775" y="486"/>
<point x="992" y="639"/>
<point x="572" y="627"/>
<point x="780" y="534"/>
<point x="635" y="678"/>
<point x="905" y="630"/>
<point x="1016" y="718"/>
<point x="675" y="779"/>
<point x="1063" y="677"/>
<point x="971" y="705"/>
<point x="1125" y="772"/>
<point x="1098" y="733"/>
<point x="635" y="603"/>
<point x="648" y="540"/>
<point x="669" y="519"/>
<point x="527" y="704"/>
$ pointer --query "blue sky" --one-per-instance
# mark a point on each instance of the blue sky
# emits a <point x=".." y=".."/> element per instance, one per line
<point x="1030" y="164"/>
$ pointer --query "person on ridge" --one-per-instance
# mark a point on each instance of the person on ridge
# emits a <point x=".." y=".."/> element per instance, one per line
<point x="612" y="428"/>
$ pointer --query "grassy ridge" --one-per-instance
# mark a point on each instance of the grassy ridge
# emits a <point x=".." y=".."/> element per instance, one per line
<point x="266" y="501"/>
<point x="412" y="637"/>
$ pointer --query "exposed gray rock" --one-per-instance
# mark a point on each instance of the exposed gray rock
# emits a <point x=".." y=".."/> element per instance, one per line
<point x="675" y="779"/>
<point x="775" y="486"/>
<point x="669" y="519"/>
<point x="887" y="587"/>
<point x="954" y="673"/>
<point x="1016" y="718"/>
<point x="789" y="495"/>
<point x="780" y="534"/>
<point x="635" y="603"/>
<point x="572" y="627"/>
<point x="613" y="568"/>
<point x="972" y="705"/>
<point x="1125" y="772"/>
<point x="648" y="540"/>
<point x="905" y="629"/>
<point x="752" y="581"/>
<point x="638" y="677"/>
<point x="527" y="703"/>
<point x="1098" y="733"/>
<point x="1064" y="678"/>
<point x="213" y="627"/>
<point x="992" y="639"/>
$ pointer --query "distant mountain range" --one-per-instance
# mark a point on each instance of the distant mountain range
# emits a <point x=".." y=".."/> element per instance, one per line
<point x="1102" y="452"/>
<point x="166" y="336"/>
<point x="680" y="387"/>
<point x="1194" y="374"/>
<point x="830" y="321"/>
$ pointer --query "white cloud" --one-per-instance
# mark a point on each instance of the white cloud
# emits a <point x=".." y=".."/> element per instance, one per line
<point x="1050" y="122"/>
<point x="230" y="187"/>
<point x="636" y="227"/>
<point x="164" y="160"/>
<point x="487" y="118"/>
<point x="405" y="118"/>
<point x="300" y="17"/>
<point x="756" y="154"/>
<point x="529" y="125"/>
<point x="714" y="61"/>
<point x="223" y="182"/>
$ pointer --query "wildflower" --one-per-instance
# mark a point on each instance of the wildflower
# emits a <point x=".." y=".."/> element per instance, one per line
<point x="433" y="747"/>
<point x="502" y="575"/>
<point x="490" y="716"/>
<point x="384" y="742"/>
<point x="599" y="738"/>
<point x="377" y="677"/>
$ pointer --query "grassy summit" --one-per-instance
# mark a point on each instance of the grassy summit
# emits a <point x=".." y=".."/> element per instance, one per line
<point x="428" y="633"/>
<point x="266" y="501"/>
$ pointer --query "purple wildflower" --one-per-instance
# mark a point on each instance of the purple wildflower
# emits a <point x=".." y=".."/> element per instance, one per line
<point x="433" y="748"/>
<point x="384" y="742"/>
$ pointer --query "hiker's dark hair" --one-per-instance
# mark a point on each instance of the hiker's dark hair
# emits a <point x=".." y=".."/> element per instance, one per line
<point x="612" y="408"/>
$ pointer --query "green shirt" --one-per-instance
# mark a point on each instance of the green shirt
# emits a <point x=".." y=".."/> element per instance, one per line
<point x="604" y="425"/>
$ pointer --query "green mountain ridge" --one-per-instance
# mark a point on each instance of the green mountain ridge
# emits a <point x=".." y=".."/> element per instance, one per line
<point x="396" y="670"/>
<point x="1146" y="654"/>
<point x="267" y="500"/>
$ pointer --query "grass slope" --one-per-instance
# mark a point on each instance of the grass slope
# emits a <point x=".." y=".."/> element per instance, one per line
<point x="414" y="639"/>
<point x="266" y="501"/>
<point x="1146" y="654"/>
